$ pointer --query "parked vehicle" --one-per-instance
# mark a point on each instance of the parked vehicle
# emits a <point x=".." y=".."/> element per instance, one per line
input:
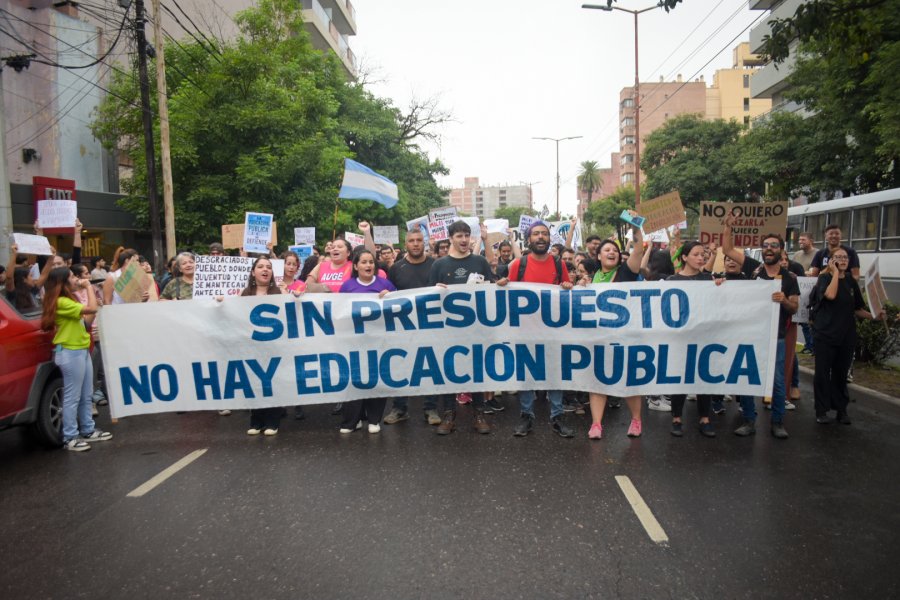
<point x="31" y="386"/>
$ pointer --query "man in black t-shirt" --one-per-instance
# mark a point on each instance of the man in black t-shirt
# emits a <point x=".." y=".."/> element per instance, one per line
<point x="460" y="267"/>
<point x="410" y="272"/>
<point x="788" y="298"/>
<point x="832" y="243"/>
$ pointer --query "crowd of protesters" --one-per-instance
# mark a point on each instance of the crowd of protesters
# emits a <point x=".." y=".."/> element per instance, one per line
<point x="69" y="294"/>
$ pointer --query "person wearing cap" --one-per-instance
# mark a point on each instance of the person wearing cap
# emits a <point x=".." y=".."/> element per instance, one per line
<point x="539" y="266"/>
<point x="216" y="249"/>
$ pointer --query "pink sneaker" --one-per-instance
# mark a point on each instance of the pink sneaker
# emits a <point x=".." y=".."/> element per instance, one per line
<point x="634" y="430"/>
<point x="463" y="398"/>
<point x="596" y="431"/>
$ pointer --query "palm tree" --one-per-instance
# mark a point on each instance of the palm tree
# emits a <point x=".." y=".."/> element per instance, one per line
<point x="589" y="179"/>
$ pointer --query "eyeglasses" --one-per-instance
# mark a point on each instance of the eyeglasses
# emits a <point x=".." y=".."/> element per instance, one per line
<point x="775" y="245"/>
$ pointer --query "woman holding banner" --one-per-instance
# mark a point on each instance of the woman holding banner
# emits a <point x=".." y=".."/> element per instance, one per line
<point x="834" y="329"/>
<point x="261" y="282"/>
<point x="329" y="276"/>
<point x="613" y="270"/>
<point x="364" y="281"/>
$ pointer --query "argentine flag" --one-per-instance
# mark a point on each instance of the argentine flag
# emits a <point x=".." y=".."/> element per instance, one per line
<point x="362" y="183"/>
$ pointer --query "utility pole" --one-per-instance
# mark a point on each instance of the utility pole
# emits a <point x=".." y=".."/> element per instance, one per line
<point x="152" y="196"/>
<point x="557" y="140"/>
<point x="163" y="104"/>
<point x="6" y="218"/>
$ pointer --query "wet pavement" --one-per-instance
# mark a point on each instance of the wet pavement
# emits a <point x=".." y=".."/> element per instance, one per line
<point x="311" y="513"/>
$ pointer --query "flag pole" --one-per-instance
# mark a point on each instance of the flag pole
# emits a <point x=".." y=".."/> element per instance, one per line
<point x="334" y="223"/>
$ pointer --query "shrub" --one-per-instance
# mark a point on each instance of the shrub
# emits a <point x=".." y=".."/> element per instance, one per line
<point x="879" y="341"/>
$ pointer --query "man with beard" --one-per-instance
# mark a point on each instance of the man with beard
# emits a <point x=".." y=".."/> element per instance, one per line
<point x="539" y="266"/>
<point x="788" y="299"/>
<point x="408" y="273"/>
<point x="459" y="267"/>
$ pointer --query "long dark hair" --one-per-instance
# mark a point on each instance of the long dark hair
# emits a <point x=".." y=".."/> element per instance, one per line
<point x="308" y="265"/>
<point x="359" y="254"/>
<point x="56" y="286"/>
<point x="24" y="299"/>
<point x="250" y="290"/>
<point x="659" y="266"/>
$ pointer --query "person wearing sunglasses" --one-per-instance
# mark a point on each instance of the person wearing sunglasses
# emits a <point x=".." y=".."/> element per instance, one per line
<point x="788" y="299"/>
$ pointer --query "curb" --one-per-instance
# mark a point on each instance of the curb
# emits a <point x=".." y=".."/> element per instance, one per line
<point x="858" y="389"/>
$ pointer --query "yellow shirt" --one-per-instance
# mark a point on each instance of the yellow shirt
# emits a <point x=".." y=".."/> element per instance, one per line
<point x="70" y="331"/>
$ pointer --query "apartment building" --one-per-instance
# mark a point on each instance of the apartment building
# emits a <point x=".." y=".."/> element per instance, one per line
<point x="730" y="95"/>
<point x="483" y="201"/>
<point x="771" y="80"/>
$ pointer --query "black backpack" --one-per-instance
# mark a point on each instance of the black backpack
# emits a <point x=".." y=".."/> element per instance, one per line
<point x="815" y="299"/>
<point x="556" y="260"/>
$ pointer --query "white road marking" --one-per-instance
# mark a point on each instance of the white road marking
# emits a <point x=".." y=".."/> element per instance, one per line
<point x="165" y="474"/>
<point x="640" y="508"/>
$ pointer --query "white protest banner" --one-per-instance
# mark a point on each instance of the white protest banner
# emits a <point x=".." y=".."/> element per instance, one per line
<point x="753" y="220"/>
<point x="497" y="226"/>
<point x="620" y="339"/>
<point x="559" y="231"/>
<point x="57" y="214"/>
<point x="257" y="232"/>
<point x="32" y="244"/>
<point x="445" y="213"/>
<point x="525" y="221"/>
<point x="305" y="236"/>
<point x="355" y="239"/>
<point x="221" y="275"/>
<point x="806" y="287"/>
<point x="386" y="234"/>
<point x="875" y="292"/>
<point x="660" y="236"/>
<point x="303" y="252"/>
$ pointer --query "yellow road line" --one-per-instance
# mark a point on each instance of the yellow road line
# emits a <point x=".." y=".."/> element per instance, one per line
<point x="640" y="508"/>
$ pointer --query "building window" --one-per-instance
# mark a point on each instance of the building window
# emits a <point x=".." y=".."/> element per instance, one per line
<point x="746" y="104"/>
<point x="627" y="177"/>
<point x="746" y="119"/>
<point x="746" y="81"/>
<point x="626" y="159"/>
<point x="628" y="103"/>
<point x="628" y="122"/>
<point x="627" y="140"/>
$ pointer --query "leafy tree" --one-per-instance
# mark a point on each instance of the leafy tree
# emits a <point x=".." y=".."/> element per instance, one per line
<point x="693" y="156"/>
<point x="265" y="126"/>
<point x="846" y="78"/>
<point x="589" y="178"/>
<point x="602" y="216"/>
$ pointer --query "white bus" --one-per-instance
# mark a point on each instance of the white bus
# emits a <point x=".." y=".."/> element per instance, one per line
<point x="870" y="224"/>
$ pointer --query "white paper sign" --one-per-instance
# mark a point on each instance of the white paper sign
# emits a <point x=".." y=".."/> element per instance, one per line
<point x="32" y="244"/>
<point x="806" y="287"/>
<point x="437" y="230"/>
<point x="304" y="236"/>
<point x="386" y="234"/>
<point x="257" y="232"/>
<point x="447" y="213"/>
<point x="57" y="214"/>
<point x="660" y="236"/>
<point x="355" y="239"/>
<point x="221" y="275"/>
<point x="525" y="221"/>
<point x="497" y="225"/>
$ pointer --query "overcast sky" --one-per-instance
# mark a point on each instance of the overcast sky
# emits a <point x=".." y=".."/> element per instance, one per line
<point x="510" y="70"/>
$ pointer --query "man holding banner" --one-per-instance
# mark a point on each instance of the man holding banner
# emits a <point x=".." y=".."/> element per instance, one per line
<point x="788" y="298"/>
<point x="540" y="267"/>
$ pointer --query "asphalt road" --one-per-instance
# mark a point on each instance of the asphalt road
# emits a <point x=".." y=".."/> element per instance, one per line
<point x="310" y="513"/>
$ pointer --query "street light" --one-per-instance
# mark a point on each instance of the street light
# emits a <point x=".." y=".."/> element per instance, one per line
<point x="557" y="140"/>
<point x="637" y="93"/>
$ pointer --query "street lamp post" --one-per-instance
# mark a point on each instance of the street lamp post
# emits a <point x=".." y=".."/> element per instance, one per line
<point x="637" y="93"/>
<point x="557" y="140"/>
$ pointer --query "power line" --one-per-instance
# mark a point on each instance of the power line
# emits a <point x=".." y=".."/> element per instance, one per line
<point x="191" y="33"/>
<point x="191" y="21"/>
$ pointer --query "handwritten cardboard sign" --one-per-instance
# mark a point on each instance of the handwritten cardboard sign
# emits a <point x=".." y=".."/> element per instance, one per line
<point x="233" y="235"/>
<point x="305" y="236"/>
<point x="221" y="275"/>
<point x="355" y="239"/>
<point x="875" y="292"/>
<point x="57" y="214"/>
<point x="662" y="211"/>
<point x="133" y="283"/>
<point x="257" y="232"/>
<point x="753" y="221"/>
<point x="386" y="234"/>
<point x="32" y="244"/>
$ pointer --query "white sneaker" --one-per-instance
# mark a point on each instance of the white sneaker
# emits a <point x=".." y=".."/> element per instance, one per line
<point x="253" y="431"/>
<point x="789" y="405"/>
<point x="270" y="431"/>
<point x="728" y="398"/>
<point x="97" y="436"/>
<point x="76" y="445"/>
<point x="660" y="403"/>
<point x="374" y="427"/>
<point x="346" y="430"/>
<point x="225" y="412"/>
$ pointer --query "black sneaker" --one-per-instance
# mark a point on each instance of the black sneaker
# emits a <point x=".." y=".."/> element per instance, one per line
<point x="824" y="420"/>
<point x="844" y="419"/>
<point x="493" y="406"/>
<point x="568" y="407"/>
<point x="747" y="428"/>
<point x="707" y="430"/>
<point x="338" y="408"/>
<point x="526" y="423"/>
<point x="299" y="413"/>
<point x="613" y="402"/>
<point x="779" y="431"/>
<point x="561" y="429"/>
<point x="677" y="429"/>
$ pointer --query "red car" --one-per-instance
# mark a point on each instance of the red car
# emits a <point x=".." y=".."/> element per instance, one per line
<point x="31" y="385"/>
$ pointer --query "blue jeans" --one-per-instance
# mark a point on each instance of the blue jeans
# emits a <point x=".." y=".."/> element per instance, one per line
<point x="807" y="337"/>
<point x="78" y="386"/>
<point x="526" y="402"/>
<point x="402" y="403"/>
<point x="748" y="406"/>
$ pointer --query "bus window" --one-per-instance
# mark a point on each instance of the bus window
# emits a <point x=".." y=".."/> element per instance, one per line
<point x="815" y="224"/>
<point x="841" y="219"/>
<point x="864" y="236"/>
<point x="890" y="227"/>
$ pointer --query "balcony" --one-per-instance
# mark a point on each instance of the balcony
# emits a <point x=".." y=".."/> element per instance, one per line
<point x="783" y="11"/>
<point x="770" y="80"/>
<point x="326" y="34"/>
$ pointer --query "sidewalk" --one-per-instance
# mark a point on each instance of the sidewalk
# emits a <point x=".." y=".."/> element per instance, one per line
<point x="856" y="390"/>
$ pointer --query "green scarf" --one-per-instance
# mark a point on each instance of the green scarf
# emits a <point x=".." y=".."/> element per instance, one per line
<point x="601" y="277"/>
